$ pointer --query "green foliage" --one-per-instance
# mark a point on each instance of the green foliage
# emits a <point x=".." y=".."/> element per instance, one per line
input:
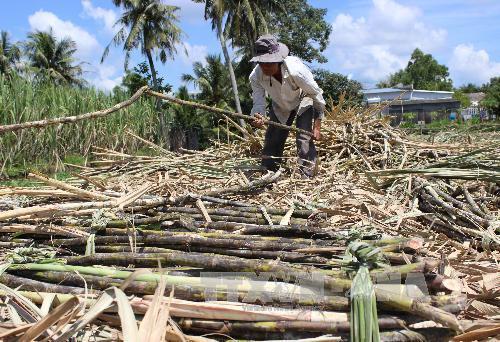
<point x="22" y="101"/>
<point x="464" y="99"/>
<point x="492" y="98"/>
<point x="132" y="81"/>
<point x="423" y="71"/>
<point x="334" y="84"/>
<point x="470" y="88"/>
<point x="211" y="80"/>
<point x="24" y="255"/>
<point x="303" y="29"/>
<point x="10" y="54"/>
<point x="148" y="25"/>
<point x="141" y="76"/>
<point x="186" y="120"/>
<point x="53" y="61"/>
<point x="241" y="21"/>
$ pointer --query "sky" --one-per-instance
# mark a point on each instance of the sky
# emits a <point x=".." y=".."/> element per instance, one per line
<point x="370" y="38"/>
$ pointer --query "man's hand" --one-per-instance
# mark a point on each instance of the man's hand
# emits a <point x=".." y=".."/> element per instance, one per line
<point x="317" y="130"/>
<point x="257" y="121"/>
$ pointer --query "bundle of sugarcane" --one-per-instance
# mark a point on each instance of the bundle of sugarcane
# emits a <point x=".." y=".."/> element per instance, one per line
<point x="455" y="213"/>
<point x="480" y="164"/>
<point x="364" y="319"/>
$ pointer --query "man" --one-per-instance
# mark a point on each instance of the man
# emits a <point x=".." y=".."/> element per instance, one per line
<point x="294" y="94"/>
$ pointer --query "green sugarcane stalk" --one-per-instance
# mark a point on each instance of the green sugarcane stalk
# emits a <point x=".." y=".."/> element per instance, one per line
<point x="189" y="324"/>
<point x="13" y="281"/>
<point x="187" y="292"/>
<point x="183" y="240"/>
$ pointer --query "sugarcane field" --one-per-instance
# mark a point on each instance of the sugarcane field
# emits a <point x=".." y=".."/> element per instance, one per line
<point x="222" y="184"/>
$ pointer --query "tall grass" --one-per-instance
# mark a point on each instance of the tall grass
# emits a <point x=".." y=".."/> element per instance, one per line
<point x="21" y="101"/>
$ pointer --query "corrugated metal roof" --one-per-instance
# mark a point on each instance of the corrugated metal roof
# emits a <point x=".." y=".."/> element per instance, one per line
<point x="476" y="96"/>
<point x="381" y="90"/>
<point x="396" y="90"/>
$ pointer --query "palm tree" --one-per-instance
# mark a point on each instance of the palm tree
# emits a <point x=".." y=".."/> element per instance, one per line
<point x="211" y="80"/>
<point x="52" y="59"/>
<point x="242" y="21"/>
<point x="149" y="25"/>
<point x="9" y="54"/>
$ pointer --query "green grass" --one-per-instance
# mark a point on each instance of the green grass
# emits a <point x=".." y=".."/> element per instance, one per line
<point x="74" y="159"/>
<point x="19" y="183"/>
<point x="23" y="101"/>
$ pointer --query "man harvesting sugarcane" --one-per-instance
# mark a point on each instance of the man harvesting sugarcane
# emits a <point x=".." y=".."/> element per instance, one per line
<point x="294" y="94"/>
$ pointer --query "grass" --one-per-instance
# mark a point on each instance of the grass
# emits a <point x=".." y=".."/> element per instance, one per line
<point x="22" y="101"/>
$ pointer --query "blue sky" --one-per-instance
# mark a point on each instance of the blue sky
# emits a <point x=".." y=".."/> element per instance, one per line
<point x="370" y="39"/>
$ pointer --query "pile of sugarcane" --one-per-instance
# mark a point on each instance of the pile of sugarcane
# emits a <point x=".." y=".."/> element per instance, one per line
<point x="204" y="245"/>
<point x="454" y="212"/>
<point x="232" y="269"/>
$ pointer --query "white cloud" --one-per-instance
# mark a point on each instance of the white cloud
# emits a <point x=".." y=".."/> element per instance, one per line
<point x="189" y="11"/>
<point x="107" y="16"/>
<point x="374" y="46"/>
<point x="86" y="43"/>
<point x="195" y="53"/>
<point x="470" y="65"/>
<point x="105" y="77"/>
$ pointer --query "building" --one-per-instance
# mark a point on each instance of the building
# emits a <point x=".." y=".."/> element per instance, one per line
<point x="475" y="109"/>
<point x="396" y="101"/>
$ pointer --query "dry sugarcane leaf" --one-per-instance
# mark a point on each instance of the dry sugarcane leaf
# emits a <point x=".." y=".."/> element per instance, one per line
<point x="478" y="334"/>
<point x="285" y="220"/>
<point x="46" y="322"/>
<point x="15" y="331"/>
<point x="491" y="282"/>
<point x="154" y="324"/>
<point x="203" y="210"/>
<point x="485" y="308"/>
<point x="29" y="311"/>
<point x="47" y="303"/>
<point x="127" y="317"/>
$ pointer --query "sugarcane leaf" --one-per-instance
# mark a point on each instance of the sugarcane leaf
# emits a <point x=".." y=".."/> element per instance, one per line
<point x="4" y="267"/>
<point x="478" y="334"/>
<point x="45" y="323"/>
<point x="127" y="317"/>
<point x="14" y="316"/>
<point x="154" y="324"/>
<point x="285" y="220"/>
<point x="129" y="324"/>
<point x="90" y="247"/>
<point x="47" y="303"/>
<point x="29" y="311"/>
<point x="485" y="308"/>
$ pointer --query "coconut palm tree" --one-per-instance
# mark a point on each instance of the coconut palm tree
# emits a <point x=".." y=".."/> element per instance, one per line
<point x="148" y="25"/>
<point x="53" y="60"/>
<point x="9" y="54"/>
<point x="241" y="21"/>
<point x="152" y="27"/>
<point x="211" y="80"/>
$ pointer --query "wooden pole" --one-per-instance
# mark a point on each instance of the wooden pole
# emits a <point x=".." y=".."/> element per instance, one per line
<point x="224" y="112"/>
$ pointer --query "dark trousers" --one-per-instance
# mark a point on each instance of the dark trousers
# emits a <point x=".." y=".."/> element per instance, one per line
<point x="275" y="139"/>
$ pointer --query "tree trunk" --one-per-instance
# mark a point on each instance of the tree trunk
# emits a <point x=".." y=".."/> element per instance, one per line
<point x="234" y="85"/>
<point x="162" y="133"/>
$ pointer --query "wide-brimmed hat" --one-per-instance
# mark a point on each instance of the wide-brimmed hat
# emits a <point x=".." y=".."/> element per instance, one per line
<point x="269" y="50"/>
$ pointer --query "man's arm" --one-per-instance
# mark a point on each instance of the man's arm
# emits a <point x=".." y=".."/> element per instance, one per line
<point x="305" y="80"/>
<point x="259" y="100"/>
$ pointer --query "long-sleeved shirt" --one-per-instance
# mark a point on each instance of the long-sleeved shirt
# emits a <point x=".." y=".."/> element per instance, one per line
<point x="297" y="91"/>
